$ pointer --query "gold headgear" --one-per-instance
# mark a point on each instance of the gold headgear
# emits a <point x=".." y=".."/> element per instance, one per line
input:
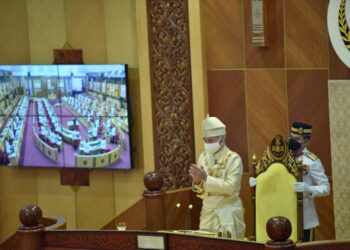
<point x="212" y="126"/>
<point x="301" y="128"/>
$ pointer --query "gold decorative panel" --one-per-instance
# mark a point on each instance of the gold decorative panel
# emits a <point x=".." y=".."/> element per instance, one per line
<point x="171" y="90"/>
<point x="278" y="151"/>
<point x="339" y="112"/>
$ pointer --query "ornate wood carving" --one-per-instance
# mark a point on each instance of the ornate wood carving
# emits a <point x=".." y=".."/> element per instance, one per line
<point x="171" y="90"/>
<point x="189" y="242"/>
<point x="278" y="151"/>
<point x="326" y="245"/>
<point x="90" y="240"/>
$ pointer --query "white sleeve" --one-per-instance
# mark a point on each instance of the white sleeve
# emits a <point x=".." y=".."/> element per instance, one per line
<point x="231" y="183"/>
<point x="321" y="185"/>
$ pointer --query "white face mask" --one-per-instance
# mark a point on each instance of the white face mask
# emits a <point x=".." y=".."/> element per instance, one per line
<point x="211" y="148"/>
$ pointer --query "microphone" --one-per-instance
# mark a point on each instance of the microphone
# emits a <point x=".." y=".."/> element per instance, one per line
<point x="177" y="206"/>
<point x="187" y="216"/>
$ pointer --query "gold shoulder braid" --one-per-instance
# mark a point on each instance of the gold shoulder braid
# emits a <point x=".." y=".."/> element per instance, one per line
<point x="217" y="169"/>
<point x="312" y="156"/>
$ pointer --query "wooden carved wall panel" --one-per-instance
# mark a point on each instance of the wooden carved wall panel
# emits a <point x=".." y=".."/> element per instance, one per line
<point x="90" y="240"/>
<point x="180" y="242"/>
<point x="171" y="90"/>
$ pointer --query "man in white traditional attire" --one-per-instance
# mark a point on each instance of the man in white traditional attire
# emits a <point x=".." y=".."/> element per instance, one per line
<point x="217" y="180"/>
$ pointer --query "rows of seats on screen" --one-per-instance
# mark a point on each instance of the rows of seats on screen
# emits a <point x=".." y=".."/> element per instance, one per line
<point x="73" y="116"/>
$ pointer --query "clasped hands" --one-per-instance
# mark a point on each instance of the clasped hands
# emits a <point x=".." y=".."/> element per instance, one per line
<point x="198" y="173"/>
<point x="299" y="187"/>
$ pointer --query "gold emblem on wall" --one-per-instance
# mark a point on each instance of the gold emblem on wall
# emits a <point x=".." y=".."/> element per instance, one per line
<point x="278" y="151"/>
<point x="338" y="28"/>
<point x="343" y="26"/>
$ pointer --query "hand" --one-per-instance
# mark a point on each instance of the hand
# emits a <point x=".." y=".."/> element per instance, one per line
<point x="301" y="187"/>
<point x="198" y="173"/>
<point x="252" y="182"/>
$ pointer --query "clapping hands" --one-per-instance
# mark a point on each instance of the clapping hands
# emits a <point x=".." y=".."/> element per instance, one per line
<point x="197" y="173"/>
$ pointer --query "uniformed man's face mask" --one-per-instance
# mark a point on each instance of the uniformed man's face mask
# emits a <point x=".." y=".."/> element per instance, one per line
<point x="294" y="145"/>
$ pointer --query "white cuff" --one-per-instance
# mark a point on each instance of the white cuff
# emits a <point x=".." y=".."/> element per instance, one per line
<point x="198" y="188"/>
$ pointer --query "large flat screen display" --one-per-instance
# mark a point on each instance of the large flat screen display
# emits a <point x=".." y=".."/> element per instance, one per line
<point x="74" y="116"/>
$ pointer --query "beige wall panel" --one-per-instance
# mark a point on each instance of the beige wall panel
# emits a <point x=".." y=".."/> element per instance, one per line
<point x="339" y="112"/>
<point x="223" y="32"/>
<point x="306" y="34"/>
<point x="14" y="32"/>
<point x="10" y="207"/>
<point x="85" y="26"/>
<point x="55" y="199"/>
<point x="267" y="112"/>
<point x="198" y="71"/>
<point x="128" y="188"/>
<point x="94" y="204"/>
<point x="17" y="188"/>
<point x="121" y="35"/>
<point x="46" y="24"/>
<point x="145" y="87"/>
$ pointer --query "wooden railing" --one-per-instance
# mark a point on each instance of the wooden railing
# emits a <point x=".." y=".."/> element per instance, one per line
<point x="54" y="223"/>
<point x="48" y="223"/>
<point x="158" y="211"/>
<point x="166" y="210"/>
<point x="32" y="236"/>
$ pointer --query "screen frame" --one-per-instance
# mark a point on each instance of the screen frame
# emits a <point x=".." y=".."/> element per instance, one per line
<point x="129" y="117"/>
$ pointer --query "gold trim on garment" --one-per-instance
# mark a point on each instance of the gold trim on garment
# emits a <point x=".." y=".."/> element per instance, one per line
<point x="216" y="170"/>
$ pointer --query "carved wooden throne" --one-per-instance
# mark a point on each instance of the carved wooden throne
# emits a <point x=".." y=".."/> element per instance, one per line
<point x="275" y="173"/>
